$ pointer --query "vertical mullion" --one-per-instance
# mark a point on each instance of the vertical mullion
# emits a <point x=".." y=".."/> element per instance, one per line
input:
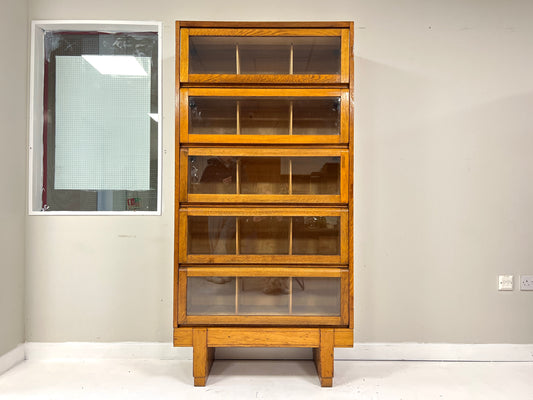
<point x="290" y="178"/>
<point x="291" y="114"/>
<point x="291" y="63"/>
<point x="238" y="71"/>
<point x="290" y="295"/>
<point x="290" y="236"/>
<point x="237" y="281"/>
<point x="238" y="177"/>
<point x="238" y="117"/>
<point x="237" y="236"/>
<point x="237" y="59"/>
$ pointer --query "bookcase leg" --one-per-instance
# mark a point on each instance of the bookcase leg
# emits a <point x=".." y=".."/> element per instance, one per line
<point x="323" y="356"/>
<point x="203" y="356"/>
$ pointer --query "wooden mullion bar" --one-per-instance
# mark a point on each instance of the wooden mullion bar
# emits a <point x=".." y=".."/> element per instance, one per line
<point x="291" y="117"/>
<point x="238" y="177"/>
<point x="238" y="117"/>
<point x="237" y="236"/>
<point x="237" y="281"/>
<point x="290" y="295"/>
<point x="290" y="236"/>
<point x="290" y="176"/>
<point x="237" y="59"/>
<point x="291" y="64"/>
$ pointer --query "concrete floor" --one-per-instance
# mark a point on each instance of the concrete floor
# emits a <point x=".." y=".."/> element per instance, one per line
<point x="273" y="379"/>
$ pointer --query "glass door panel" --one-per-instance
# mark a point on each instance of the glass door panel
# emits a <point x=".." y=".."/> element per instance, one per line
<point x="232" y="174"/>
<point x="264" y="235"/>
<point x="315" y="235"/>
<point x="211" y="295"/>
<point x="265" y="55"/>
<point x="260" y="235"/>
<point x="212" y="175"/>
<point x="212" y="55"/>
<point x="212" y="235"/>
<point x="316" y="296"/>
<point x="317" y="55"/>
<point x="307" y="295"/>
<point x="264" y="296"/>
<point x="316" y="175"/>
<point x="264" y="175"/>
<point x="316" y="116"/>
<point x="264" y="116"/>
<point x="210" y="115"/>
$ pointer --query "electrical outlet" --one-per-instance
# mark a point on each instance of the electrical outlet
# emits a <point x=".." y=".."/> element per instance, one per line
<point x="505" y="282"/>
<point x="526" y="282"/>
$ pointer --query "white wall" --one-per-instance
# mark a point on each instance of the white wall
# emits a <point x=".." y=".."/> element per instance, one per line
<point x="13" y="88"/>
<point x="443" y="180"/>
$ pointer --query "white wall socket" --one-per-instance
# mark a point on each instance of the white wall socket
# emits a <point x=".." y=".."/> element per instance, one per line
<point x="526" y="282"/>
<point x="505" y="282"/>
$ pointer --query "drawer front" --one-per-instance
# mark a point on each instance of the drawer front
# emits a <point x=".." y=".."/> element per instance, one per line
<point x="263" y="235"/>
<point x="218" y="55"/>
<point x="225" y="175"/>
<point x="267" y="116"/>
<point x="263" y="295"/>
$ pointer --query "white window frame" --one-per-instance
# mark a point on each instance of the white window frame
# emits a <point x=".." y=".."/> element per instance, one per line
<point x="35" y="146"/>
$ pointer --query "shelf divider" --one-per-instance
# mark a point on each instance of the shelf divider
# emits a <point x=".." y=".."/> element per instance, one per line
<point x="290" y="178"/>
<point x="291" y="64"/>
<point x="290" y="237"/>
<point x="237" y="282"/>
<point x="290" y="295"/>
<point x="238" y="71"/>
<point x="291" y="114"/>
<point x="238" y="177"/>
<point x="237" y="236"/>
<point x="237" y="59"/>
<point x="238" y="117"/>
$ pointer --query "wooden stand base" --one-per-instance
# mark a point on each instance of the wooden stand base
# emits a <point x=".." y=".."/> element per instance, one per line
<point x="323" y="356"/>
<point x="204" y="349"/>
<point x="203" y="356"/>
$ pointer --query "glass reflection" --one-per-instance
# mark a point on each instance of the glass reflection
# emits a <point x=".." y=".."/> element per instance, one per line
<point x="227" y="295"/>
<point x="264" y="235"/>
<point x="316" y="175"/>
<point x="264" y="55"/>
<point x="212" y="175"/>
<point x="316" y="296"/>
<point x="264" y="175"/>
<point x="264" y="296"/>
<point x="211" y="235"/>
<point x="211" y="295"/>
<point x="315" y="235"/>
<point x="264" y="115"/>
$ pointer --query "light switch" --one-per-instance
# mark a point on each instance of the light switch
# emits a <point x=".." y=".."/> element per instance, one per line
<point x="505" y="282"/>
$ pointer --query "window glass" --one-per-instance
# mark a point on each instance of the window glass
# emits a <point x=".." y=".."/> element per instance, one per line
<point x="100" y="134"/>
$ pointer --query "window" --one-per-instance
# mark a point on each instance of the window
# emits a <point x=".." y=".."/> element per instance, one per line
<point x="95" y="137"/>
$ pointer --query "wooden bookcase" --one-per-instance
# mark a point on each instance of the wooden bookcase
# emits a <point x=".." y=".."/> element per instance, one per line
<point x="264" y="188"/>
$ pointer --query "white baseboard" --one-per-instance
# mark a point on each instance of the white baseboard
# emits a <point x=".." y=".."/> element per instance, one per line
<point x="361" y="351"/>
<point x="12" y="358"/>
<point x="436" y="352"/>
<point x="120" y="350"/>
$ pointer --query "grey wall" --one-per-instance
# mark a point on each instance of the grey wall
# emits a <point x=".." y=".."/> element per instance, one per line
<point x="443" y="180"/>
<point x="13" y="94"/>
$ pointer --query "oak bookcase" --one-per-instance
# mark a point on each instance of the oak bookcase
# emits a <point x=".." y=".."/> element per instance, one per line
<point x="264" y="188"/>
